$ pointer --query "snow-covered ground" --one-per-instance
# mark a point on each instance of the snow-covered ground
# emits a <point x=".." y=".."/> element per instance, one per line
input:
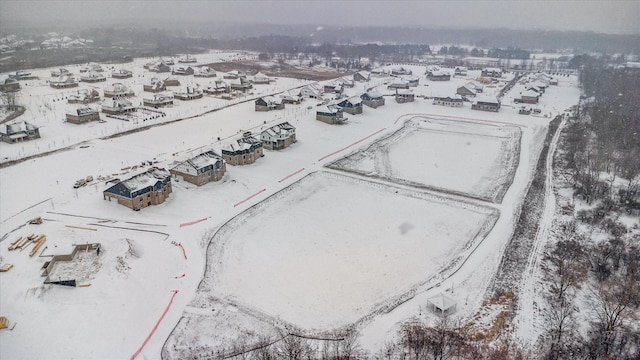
<point x="132" y="305"/>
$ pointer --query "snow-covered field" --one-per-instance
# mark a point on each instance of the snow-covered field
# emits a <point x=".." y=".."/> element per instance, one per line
<point x="135" y="301"/>
<point x="462" y="158"/>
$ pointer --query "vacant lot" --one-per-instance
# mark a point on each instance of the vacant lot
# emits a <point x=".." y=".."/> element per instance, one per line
<point x="367" y="245"/>
<point x="462" y="158"/>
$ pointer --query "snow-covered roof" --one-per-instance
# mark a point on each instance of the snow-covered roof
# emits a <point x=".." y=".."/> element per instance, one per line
<point x="442" y="302"/>
<point x="283" y="130"/>
<point x="198" y="162"/>
<point x="530" y="93"/>
<point x="141" y="183"/>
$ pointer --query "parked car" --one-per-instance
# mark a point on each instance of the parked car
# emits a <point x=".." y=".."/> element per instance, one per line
<point x="80" y="183"/>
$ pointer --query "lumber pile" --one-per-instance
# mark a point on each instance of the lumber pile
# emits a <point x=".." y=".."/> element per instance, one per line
<point x="5" y="267"/>
<point x="4" y="323"/>
<point x="38" y="243"/>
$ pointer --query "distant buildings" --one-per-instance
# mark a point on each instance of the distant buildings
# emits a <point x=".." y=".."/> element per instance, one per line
<point x="81" y="115"/>
<point x="448" y="101"/>
<point x="486" y="104"/>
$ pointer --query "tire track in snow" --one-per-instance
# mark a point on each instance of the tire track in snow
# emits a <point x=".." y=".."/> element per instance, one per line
<point x="527" y="309"/>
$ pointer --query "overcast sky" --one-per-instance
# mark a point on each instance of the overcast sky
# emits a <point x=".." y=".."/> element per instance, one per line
<point x="612" y="16"/>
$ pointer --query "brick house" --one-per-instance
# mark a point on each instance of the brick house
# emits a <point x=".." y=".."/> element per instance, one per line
<point x="122" y="74"/>
<point x="118" y="90"/>
<point x="486" y="105"/>
<point x="204" y="72"/>
<point x="352" y="105"/>
<point x="330" y="114"/>
<point x="83" y="114"/>
<point x="63" y="82"/>
<point x="404" y="96"/>
<point x="151" y="187"/>
<point x="92" y="77"/>
<point x="438" y="75"/>
<point x="218" y="87"/>
<point x="182" y="70"/>
<point x="19" y="131"/>
<point x="362" y="76"/>
<point x="247" y="150"/>
<point x="154" y="85"/>
<point x="189" y="92"/>
<point x="455" y="101"/>
<point x="278" y="137"/>
<point x="84" y="96"/>
<point x="158" y="100"/>
<point x="267" y="103"/>
<point x="200" y="169"/>
<point x="372" y="99"/>
<point x="118" y="106"/>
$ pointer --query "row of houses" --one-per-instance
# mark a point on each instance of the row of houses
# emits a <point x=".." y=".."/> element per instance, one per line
<point x="153" y="186"/>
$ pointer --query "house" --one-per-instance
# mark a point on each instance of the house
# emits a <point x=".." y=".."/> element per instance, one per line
<point x="438" y="75"/>
<point x="200" y="169"/>
<point x="261" y="78"/>
<point x="345" y="82"/>
<point x="379" y="72"/>
<point x="8" y="84"/>
<point x="91" y="67"/>
<point x="160" y="67"/>
<point x="362" y="76"/>
<point x="218" y="87"/>
<point x="187" y="59"/>
<point x="82" y="115"/>
<point x="331" y="114"/>
<point x="268" y="103"/>
<point x="205" y="72"/>
<point x="63" y="82"/>
<point x="233" y="74"/>
<point x="182" y="70"/>
<point x="491" y="73"/>
<point x="240" y="84"/>
<point x="404" y="95"/>
<point x="455" y="101"/>
<point x="528" y="97"/>
<point x="117" y="106"/>
<point x="188" y="92"/>
<point x="460" y="70"/>
<point x="470" y="89"/>
<point x="151" y="187"/>
<point x="372" y="99"/>
<point x="84" y="96"/>
<point x="246" y="151"/>
<point x="18" y="131"/>
<point x="278" y="137"/>
<point x="333" y="88"/>
<point x="118" y="90"/>
<point x="122" y="74"/>
<point x="171" y="81"/>
<point x="288" y="98"/>
<point x="311" y="91"/>
<point x="400" y="71"/>
<point x="411" y="80"/>
<point x="168" y="61"/>
<point x="398" y="83"/>
<point x="158" y="100"/>
<point x="352" y="105"/>
<point x="92" y="77"/>
<point x="154" y="85"/>
<point x="486" y="104"/>
<point x="59" y="72"/>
